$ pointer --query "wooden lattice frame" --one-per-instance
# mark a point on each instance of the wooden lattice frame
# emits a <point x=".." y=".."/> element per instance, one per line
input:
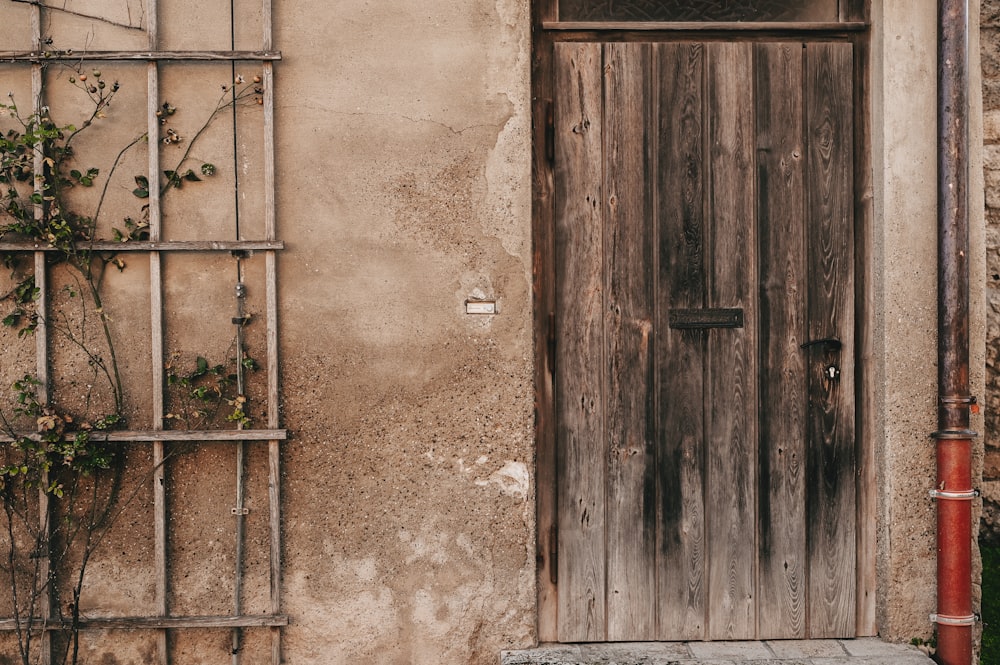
<point x="158" y="436"/>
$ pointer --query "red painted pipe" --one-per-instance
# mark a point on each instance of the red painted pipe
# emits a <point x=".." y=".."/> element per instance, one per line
<point x="954" y="493"/>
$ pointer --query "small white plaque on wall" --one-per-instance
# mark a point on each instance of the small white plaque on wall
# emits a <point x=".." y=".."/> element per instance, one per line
<point x="480" y="307"/>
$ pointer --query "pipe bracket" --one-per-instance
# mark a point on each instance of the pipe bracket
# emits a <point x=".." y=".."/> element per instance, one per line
<point x="967" y="400"/>
<point x="954" y="434"/>
<point x="945" y="620"/>
<point x="954" y="496"/>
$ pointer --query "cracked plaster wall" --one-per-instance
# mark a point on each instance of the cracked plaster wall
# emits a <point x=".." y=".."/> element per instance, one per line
<point x="404" y="153"/>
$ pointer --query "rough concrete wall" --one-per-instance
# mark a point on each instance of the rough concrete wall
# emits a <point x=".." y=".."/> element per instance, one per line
<point x="991" y="163"/>
<point x="905" y="168"/>
<point x="404" y="157"/>
<point x="904" y="160"/>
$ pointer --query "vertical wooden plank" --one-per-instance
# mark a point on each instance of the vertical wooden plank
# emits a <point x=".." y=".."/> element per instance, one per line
<point x="680" y="354"/>
<point x="579" y="315"/>
<point x="781" y="201"/>
<point x="866" y="481"/>
<point x="732" y="363"/>
<point x="830" y="219"/>
<point x="543" y="292"/>
<point x="543" y="238"/>
<point x="628" y="313"/>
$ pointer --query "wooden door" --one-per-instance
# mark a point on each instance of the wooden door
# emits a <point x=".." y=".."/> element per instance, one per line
<point x="704" y="340"/>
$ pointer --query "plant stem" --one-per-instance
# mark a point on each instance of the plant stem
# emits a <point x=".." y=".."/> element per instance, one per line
<point x="111" y="172"/>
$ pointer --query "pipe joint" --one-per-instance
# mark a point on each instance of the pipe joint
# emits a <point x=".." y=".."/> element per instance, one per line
<point x="960" y="401"/>
<point x="954" y="434"/>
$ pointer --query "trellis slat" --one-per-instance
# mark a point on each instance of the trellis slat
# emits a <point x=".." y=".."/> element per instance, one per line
<point x="157" y="622"/>
<point x="150" y="245"/>
<point x="41" y="341"/>
<point x="145" y="436"/>
<point x="38" y="56"/>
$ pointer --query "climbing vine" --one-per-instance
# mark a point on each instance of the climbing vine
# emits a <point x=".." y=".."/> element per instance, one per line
<point x="61" y="479"/>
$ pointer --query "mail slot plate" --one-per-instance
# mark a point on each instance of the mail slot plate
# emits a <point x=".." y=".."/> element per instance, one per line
<point x="702" y="319"/>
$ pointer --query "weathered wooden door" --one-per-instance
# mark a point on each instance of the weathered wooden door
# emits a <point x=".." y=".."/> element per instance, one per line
<point x="704" y="373"/>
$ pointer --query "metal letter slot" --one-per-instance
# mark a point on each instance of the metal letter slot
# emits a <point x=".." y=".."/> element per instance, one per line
<point x="703" y="319"/>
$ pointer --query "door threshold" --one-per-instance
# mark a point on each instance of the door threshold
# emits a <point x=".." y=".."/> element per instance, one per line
<point x="861" y="651"/>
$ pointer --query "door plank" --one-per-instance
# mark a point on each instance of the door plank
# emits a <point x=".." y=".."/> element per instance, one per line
<point x="579" y="317"/>
<point x="732" y="363"/>
<point x="781" y="200"/>
<point x="628" y="249"/>
<point x="831" y="464"/>
<point x="680" y="354"/>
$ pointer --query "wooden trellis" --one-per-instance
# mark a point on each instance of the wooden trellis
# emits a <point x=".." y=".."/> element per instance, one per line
<point x="158" y="437"/>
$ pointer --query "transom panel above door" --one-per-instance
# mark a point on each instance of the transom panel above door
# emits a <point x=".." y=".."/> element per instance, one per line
<point x="700" y="10"/>
<point x="704" y="340"/>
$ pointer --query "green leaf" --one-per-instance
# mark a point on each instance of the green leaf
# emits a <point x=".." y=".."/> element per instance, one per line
<point x="143" y="186"/>
<point x="190" y="176"/>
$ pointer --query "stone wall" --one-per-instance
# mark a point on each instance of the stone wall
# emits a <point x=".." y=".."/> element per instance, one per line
<point x="990" y="39"/>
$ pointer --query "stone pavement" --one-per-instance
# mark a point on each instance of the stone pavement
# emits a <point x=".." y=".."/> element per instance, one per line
<point x="863" y="651"/>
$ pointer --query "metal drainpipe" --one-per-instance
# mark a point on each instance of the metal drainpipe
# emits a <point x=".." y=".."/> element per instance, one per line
<point x="954" y="493"/>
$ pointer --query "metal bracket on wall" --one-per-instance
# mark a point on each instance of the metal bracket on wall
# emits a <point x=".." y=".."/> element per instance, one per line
<point x="954" y="496"/>
<point x="954" y="621"/>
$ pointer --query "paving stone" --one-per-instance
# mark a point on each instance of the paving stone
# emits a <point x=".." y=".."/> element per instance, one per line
<point x="562" y="653"/>
<point x="897" y="659"/>
<point x="806" y="648"/>
<point x="524" y="658"/>
<point x="731" y="650"/>
<point x="637" y="652"/>
<point x="863" y="651"/>
<point x="870" y="646"/>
